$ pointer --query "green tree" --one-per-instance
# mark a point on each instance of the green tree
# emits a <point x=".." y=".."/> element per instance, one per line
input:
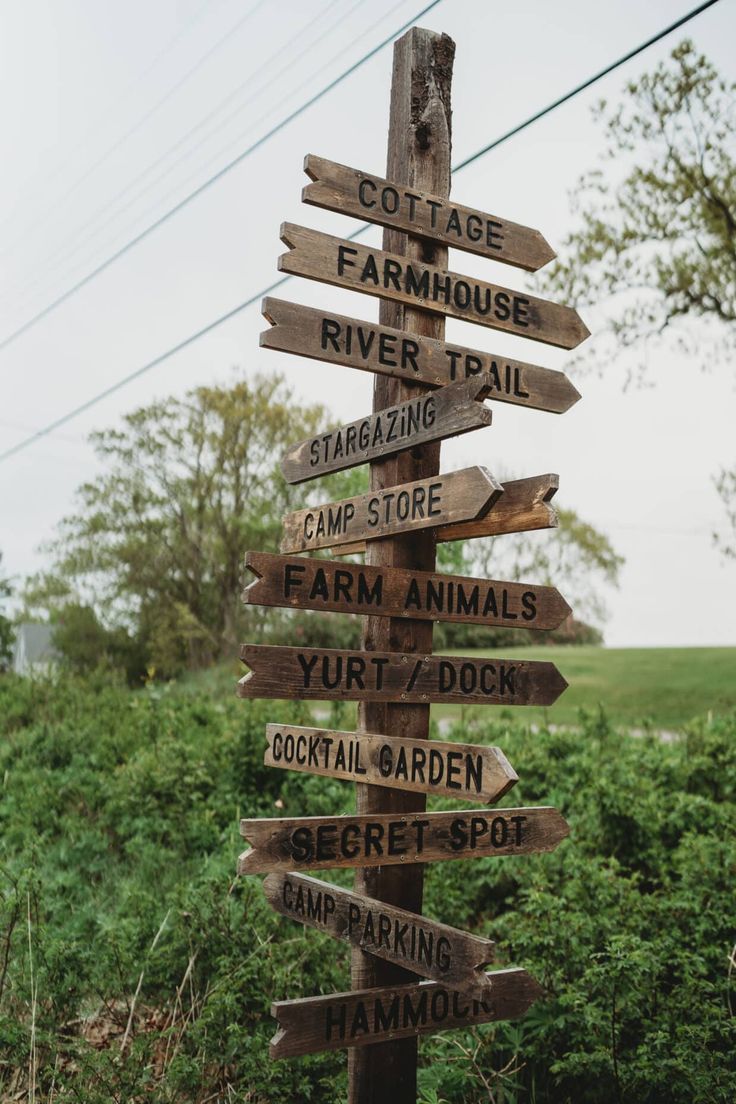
<point x="157" y="543"/>
<point x="6" y="626"/>
<point x="656" y="240"/>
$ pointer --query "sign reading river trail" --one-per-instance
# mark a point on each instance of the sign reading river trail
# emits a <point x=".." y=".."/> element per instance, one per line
<point x="410" y="975"/>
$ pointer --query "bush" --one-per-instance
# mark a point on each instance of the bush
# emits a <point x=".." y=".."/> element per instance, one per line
<point x="153" y="968"/>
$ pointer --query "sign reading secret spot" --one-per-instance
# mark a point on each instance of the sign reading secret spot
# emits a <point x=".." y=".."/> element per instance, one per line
<point x="320" y="843"/>
<point x="464" y="771"/>
<point x="300" y="583"/>
<point x="320" y="673"/>
<point x="428" y="390"/>
<point x="432" y="950"/>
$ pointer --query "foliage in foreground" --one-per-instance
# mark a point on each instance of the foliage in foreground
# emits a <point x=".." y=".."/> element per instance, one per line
<point x="134" y="967"/>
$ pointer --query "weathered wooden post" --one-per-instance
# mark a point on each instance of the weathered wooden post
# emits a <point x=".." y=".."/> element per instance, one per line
<point x="425" y="390"/>
<point x="419" y="157"/>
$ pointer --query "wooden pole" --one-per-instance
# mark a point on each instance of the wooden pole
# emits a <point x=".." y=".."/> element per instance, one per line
<point x="419" y="146"/>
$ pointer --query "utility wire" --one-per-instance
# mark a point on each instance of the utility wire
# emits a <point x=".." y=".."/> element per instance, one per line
<point x="152" y="110"/>
<point x="586" y="84"/>
<point x="57" y="258"/>
<point x="278" y="283"/>
<point x="211" y="180"/>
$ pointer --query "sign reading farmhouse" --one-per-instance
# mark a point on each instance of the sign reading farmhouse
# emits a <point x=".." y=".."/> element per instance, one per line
<point x="462" y="771"/>
<point x="376" y="1015"/>
<point x="321" y="673"/>
<point x="523" y="507"/>
<point x="440" y="500"/>
<point x="319" y="843"/>
<point x="300" y="583"/>
<point x="432" y="950"/>
<point x="309" y="332"/>
<point x="434" y="416"/>
<point x="338" y="188"/>
<point x="331" y="260"/>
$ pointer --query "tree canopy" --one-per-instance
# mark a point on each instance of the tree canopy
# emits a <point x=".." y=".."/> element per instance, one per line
<point x="157" y="542"/>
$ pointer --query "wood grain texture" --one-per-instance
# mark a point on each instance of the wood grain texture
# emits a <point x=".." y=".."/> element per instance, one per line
<point x="419" y="155"/>
<point x="435" y="416"/>
<point x="367" y="196"/>
<point x="297" y="582"/>
<point x="432" y="950"/>
<point x="523" y="507"/>
<point x="422" y="504"/>
<point x="388" y="839"/>
<point x="464" y="772"/>
<point x="330" y="260"/>
<point x="326" y="673"/>
<point x="369" y="1016"/>
<point x="411" y="358"/>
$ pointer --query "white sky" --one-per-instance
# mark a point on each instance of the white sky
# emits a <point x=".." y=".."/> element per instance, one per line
<point x="77" y="75"/>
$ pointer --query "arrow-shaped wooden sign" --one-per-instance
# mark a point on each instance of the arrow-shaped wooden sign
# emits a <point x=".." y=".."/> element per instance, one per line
<point x="424" y="504"/>
<point x="462" y="771"/>
<point x="383" y="839"/>
<point x="366" y="1016"/>
<point x="364" y="195"/>
<point x="435" y="416"/>
<point x="298" y="582"/>
<point x="523" y="507"/>
<point x="324" y="673"/>
<point x="332" y="260"/>
<point x="370" y="347"/>
<point x="427" y="948"/>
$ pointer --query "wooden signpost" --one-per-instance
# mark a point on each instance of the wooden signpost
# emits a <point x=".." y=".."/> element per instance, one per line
<point x="425" y="390"/>
<point x="299" y="583"/>
<point x="331" y="260"/>
<point x="462" y="771"/>
<point x="383" y="350"/>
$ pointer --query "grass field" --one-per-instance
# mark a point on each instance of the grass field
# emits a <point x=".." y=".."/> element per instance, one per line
<point x="664" y="686"/>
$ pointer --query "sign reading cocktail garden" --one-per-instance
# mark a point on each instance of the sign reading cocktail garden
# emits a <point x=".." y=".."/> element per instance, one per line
<point x="426" y="390"/>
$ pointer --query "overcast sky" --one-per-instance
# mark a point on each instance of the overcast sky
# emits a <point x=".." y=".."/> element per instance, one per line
<point x="113" y="112"/>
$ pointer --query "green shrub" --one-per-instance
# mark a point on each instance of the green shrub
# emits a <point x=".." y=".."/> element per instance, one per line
<point x="152" y="968"/>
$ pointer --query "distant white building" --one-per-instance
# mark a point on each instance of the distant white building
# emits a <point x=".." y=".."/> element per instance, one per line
<point x="33" y="651"/>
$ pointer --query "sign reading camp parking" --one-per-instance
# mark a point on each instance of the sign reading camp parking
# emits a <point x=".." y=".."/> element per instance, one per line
<point x="376" y="1015"/>
<point x="320" y="843"/>
<point x="334" y="261"/>
<point x="423" y="946"/>
<point x="297" y="582"/>
<point x="458" y="496"/>
<point x="324" y="673"/>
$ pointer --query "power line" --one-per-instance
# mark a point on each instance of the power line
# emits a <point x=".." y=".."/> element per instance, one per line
<point x="366" y="226"/>
<point x="586" y="84"/>
<point x="273" y="78"/>
<point x="212" y="180"/>
<point x="152" y="110"/>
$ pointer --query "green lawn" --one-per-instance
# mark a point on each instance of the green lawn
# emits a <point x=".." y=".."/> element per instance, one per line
<point x="667" y="686"/>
